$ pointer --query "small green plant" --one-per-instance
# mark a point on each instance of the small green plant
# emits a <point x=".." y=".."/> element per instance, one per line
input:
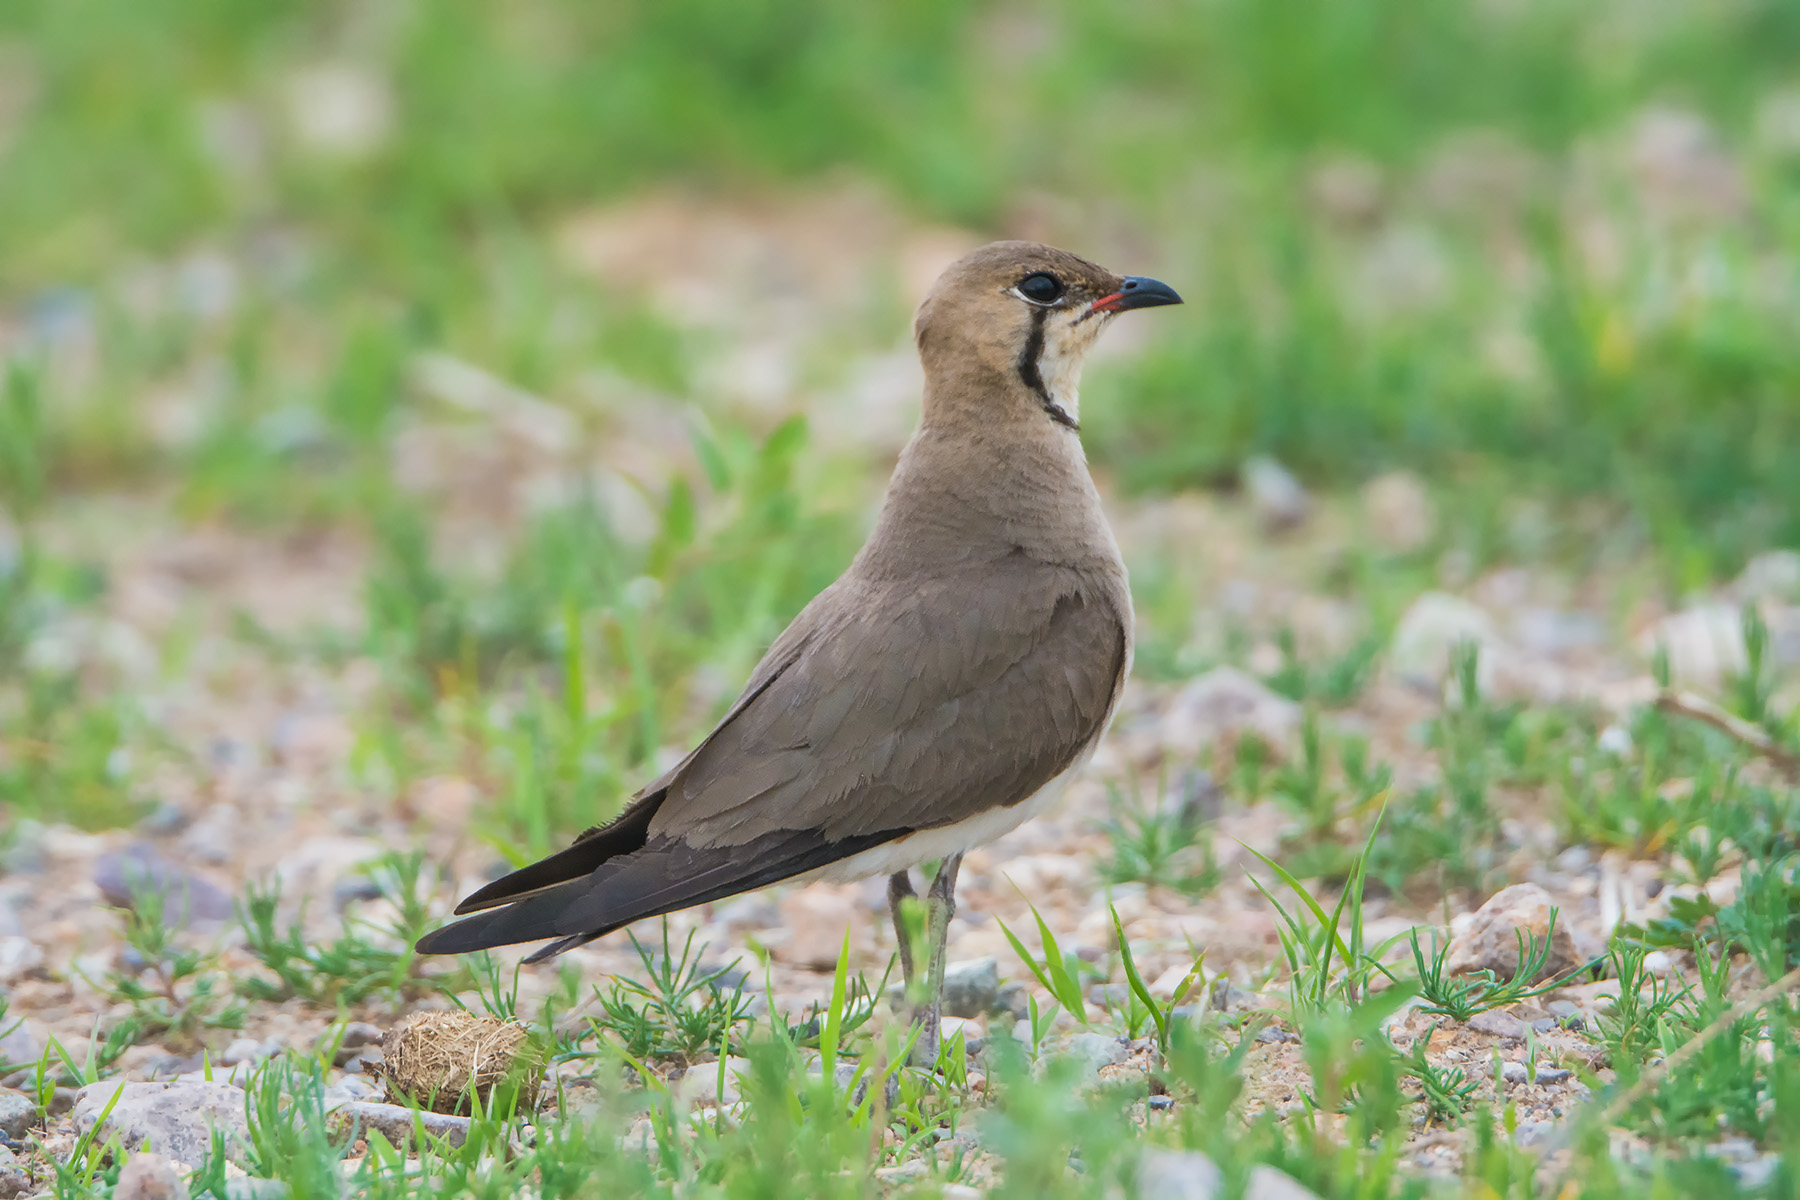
<point x="1335" y="684"/>
<point x="1159" y="848"/>
<point x="352" y="968"/>
<point x="1460" y="997"/>
<point x="1058" y="973"/>
<point x="180" y="992"/>
<point x="1141" y="1001"/>
<point x="1632" y="1028"/>
<point x="1311" y="938"/>
<point x="1446" y="1092"/>
<point x="679" y="1010"/>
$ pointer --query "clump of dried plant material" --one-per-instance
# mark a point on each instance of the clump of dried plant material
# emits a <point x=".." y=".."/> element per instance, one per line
<point x="442" y="1061"/>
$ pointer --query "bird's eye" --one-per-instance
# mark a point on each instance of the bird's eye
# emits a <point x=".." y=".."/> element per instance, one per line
<point x="1041" y="288"/>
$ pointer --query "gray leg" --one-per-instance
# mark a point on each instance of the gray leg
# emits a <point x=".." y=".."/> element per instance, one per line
<point x="900" y="890"/>
<point x="940" y="906"/>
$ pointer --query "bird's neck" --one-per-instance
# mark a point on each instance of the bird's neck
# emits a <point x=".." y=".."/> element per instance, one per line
<point x="967" y="492"/>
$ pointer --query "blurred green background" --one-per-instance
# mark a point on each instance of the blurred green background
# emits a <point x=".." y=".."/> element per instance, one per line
<point x="1532" y="249"/>
<point x="1543" y="240"/>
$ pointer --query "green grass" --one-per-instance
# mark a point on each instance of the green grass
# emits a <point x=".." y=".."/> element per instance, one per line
<point x="203" y="316"/>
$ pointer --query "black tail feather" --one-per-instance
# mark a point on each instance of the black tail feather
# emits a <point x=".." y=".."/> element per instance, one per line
<point x="593" y="848"/>
<point x="657" y="878"/>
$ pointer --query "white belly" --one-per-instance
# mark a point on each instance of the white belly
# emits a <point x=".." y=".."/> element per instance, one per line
<point x="928" y="845"/>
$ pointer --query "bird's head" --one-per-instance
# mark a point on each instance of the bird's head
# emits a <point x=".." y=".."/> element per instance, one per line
<point x="1021" y="315"/>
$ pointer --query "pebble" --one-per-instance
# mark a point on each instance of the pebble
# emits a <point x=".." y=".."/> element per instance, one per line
<point x="1190" y="1175"/>
<point x="395" y="1122"/>
<point x="18" y="1113"/>
<point x="13" y="1179"/>
<point x="349" y="1090"/>
<point x="1095" y="1051"/>
<point x="700" y="1086"/>
<point x="148" y="1176"/>
<point x="1278" y="498"/>
<point x="246" y="1187"/>
<point x="1226" y="702"/>
<point x="972" y="987"/>
<point x="177" y="1117"/>
<point x="1703" y="644"/>
<point x="187" y="900"/>
<point x="1178" y="1175"/>
<point x="357" y="1036"/>
<point x="246" y="1050"/>
<point x="1014" y="998"/>
<point x="19" y="957"/>
<point x="1490" y="941"/>
<point x="1498" y="1024"/>
<point x="1435" y="624"/>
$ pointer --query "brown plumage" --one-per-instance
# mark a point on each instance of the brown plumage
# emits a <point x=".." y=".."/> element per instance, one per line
<point x="969" y="656"/>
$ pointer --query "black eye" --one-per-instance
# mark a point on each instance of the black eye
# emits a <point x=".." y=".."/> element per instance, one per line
<point x="1041" y="288"/>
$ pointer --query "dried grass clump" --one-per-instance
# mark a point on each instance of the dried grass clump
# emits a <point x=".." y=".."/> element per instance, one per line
<point x="440" y="1060"/>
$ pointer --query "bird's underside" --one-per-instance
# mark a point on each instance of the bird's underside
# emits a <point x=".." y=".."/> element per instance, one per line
<point x="886" y="709"/>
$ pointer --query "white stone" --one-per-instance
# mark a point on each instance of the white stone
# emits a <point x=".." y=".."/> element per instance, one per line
<point x="340" y="110"/>
<point x="1434" y="626"/>
<point x="1703" y="644"/>
<point x="1278" y="498"/>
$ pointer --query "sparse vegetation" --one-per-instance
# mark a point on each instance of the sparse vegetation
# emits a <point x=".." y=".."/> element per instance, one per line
<point x="489" y="383"/>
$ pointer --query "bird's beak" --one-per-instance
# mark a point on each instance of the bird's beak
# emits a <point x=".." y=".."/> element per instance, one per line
<point x="1136" y="291"/>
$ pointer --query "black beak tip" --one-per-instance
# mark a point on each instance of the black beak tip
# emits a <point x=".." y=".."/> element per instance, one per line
<point x="1140" y="291"/>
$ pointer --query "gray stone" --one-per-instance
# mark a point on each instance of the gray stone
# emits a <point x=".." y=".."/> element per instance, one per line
<point x="18" y="1112"/>
<point x="187" y="900"/>
<point x="1514" y="1072"/>
<point x="1014" y="998"/>
<point x="1758" y="1173"/>
<point x="358" y="1034"/>
<point x="19" y="957"/>
<point x="349" y="1090"/>
<point x="971" y="988"/>
<point x="148" y="1176"/>
<point x="1533" y="1133"/>
<point x="177" y="1117"/>
<point x="1498" y="1024"/>
<point x="244" y="1050"/>
<point x="395" y="1122"/>
<point x="1226" y="702"/>
<point x="13" y="1179"/>
<point x="1095" y="1050"/>
<point x="1267" y="1183"/>
<point x="1551" y="1075"/>
<point x="1277" y="497"/>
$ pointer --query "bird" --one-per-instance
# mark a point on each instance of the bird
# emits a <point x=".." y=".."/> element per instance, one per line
<point x="937" y="695"/>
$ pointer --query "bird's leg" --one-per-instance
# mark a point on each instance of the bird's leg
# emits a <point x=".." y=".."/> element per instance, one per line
<point x="900" y="890"/>
<point x="940" y="906"/>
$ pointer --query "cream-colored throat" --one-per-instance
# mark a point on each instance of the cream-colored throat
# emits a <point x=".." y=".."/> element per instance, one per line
<point x="1067" y="338"/>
